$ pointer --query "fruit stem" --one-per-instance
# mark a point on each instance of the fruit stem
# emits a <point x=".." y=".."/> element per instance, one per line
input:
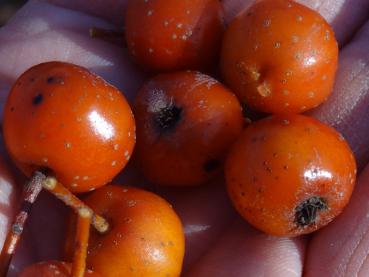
<point x="62" y="193"/>
<point x="81" y="242"/>
<point x="108" y="35"/>
<point x="30" y="192"/>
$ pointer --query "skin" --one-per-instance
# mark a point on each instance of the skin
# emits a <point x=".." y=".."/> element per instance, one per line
<point x="226" y="247"/>
<point x="51" y="269"/>
<point x="186" y="123"/>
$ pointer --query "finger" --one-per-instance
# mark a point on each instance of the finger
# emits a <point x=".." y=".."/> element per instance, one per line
<point x="8" y="195"/>
<point x="44" y="235"/>
<point x="243" y="251"/>
<point x="347" y="107"/>
<point x="342" y="248"/>
<point x="345" y="16"/>
<point x="111" y="10"/>
<point x="205" y="212"/>
<point x="41" y="32"/>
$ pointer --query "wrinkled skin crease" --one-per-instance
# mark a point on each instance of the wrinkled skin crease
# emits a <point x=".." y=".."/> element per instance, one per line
<point x="219" y="243"/>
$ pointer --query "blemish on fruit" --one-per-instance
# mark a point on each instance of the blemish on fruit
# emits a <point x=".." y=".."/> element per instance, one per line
<point x="52" y="80"/>
<point x="306" y="212"/>
<point x="266" y="23"/>
<point x="264" y="90"/>
<point x="37" y="100"/>
<point x="168" y="117"/>
<point x="295" y="39"/>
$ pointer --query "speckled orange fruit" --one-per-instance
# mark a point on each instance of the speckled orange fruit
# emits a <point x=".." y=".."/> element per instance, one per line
<point x="146" y="236"/>
<point x="62" y="119"/>
<point x="290" y="175"/>
<point x="167" y="35"/>
<point x="279" y="57"/>
<point x="52" y="269"/>
<point x="186" y="123"/>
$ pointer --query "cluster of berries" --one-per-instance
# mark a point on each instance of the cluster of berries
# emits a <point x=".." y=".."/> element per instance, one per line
<point x="286" y="174"/>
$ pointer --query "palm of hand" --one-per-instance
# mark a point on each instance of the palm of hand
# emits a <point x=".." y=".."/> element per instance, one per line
<point x="219" y="243"/>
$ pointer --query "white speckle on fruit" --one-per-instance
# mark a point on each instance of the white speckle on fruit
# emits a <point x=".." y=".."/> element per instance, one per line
<point x="327" y="35"/>
<point x="267" y="22"/>
<point x="295" y="39"/>
<point x="311" y="94"/>
<point x="285" y="122"/>
<point x="131" y="203"/>
<point x="126" y="155"/>
<point x="264" y="90"/>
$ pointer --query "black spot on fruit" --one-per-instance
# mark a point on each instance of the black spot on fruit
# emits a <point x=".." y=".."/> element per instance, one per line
<point x="37" y="100"/>
<point x="168" y="117"/>
<point x="306" y="212"/>
<point x="54" y="80"/>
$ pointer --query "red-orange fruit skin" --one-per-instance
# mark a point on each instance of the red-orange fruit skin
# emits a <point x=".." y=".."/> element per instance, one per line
<point x="281" y="161"/>
<point x="63" y="118"/>
<point x="166" y="35"/>
<point x="145" y="238"/>
<point x="193" y="151"/>
<point x="52" y="269"/>
<point x="279" y="57"/>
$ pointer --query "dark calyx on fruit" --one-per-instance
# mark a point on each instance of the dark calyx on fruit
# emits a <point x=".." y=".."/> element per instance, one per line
<point x="306" y="212"/>
<point x="168" y="117"/>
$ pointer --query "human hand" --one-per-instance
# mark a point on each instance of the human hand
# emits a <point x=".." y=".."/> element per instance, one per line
<point x="219" y="243"/>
